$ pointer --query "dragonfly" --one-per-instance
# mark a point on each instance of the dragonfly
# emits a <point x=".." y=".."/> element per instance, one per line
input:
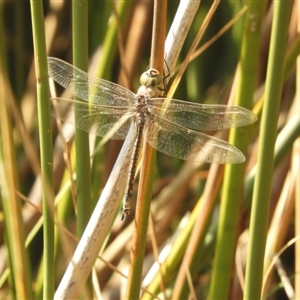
<point x="170" y="127"/>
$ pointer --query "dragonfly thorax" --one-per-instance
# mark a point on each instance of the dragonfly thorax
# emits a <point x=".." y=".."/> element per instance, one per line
<point x="147" y="91"/>
<point x="141" y="110"/>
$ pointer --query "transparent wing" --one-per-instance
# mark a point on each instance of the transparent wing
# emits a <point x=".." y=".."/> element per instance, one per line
<point x="93" y="118"/>
<point x="202" y="116"/>
<point x="87" y="87"/>
<point x="187" y="144"/>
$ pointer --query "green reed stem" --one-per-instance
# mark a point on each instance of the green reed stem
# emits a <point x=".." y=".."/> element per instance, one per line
<point x="45" y="132"/>
<point x="234" y="174"/>
<point x="147" y="170"/>
<point x="265" y="165"/>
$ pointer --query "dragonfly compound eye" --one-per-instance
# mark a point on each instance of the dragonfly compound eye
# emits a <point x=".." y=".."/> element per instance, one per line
<point x="151" y="78"/>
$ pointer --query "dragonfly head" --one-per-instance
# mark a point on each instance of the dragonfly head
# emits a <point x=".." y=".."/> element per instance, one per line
<point x="151" y="78"/>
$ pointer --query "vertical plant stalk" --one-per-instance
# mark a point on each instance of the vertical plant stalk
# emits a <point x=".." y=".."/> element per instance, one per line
<point x="80" y="60"/>
<point x="179" y="29"/>
<point x="296" y="167"/>
<point x="9" y="184"/>
<point x="288" y="134"/>
<point x="234" y="174"/>
<point x="83" y="169"/>
<point x="297" y="209"/>
<point x="45" y="133"/>
<point x="263" y="180"/>
<point x="193" y="47"/>
<point x="139" y="238"/>
<point x="173" y="45"/>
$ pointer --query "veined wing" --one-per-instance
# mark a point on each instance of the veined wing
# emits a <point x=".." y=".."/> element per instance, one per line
<point x="87" y="87"/>
<point x="187" y="144"/>
<point x="202" y="116"/>
<point x="94" y="118"/>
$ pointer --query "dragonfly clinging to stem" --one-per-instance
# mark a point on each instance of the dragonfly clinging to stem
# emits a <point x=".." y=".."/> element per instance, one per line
<point x="172" y="128"/>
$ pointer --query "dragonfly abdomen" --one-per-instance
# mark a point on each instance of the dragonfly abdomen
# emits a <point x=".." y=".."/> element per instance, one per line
<point x="140" y="121"/>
